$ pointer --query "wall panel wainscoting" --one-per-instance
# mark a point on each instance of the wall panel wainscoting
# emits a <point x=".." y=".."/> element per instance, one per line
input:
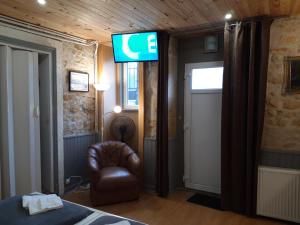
<point x="150" y="164"/>
<point x="75" y="155"/>
<point x="280" y="158"/>
<point x="279" y="193"/>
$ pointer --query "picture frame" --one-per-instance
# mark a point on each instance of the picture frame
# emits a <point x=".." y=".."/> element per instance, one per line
<point x="78" y="81"/>
<point x="292" y="74"/>
<point x="211" y="43"/>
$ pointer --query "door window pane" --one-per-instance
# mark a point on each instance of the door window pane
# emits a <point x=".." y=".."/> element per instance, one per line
<point x="207" y="78"/>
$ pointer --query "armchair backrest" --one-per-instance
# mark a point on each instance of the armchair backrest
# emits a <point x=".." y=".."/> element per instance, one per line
<point x="110" y="153"/>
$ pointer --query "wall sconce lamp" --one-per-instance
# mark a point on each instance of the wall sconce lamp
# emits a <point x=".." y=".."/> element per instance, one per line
<point x="102" y="86"/>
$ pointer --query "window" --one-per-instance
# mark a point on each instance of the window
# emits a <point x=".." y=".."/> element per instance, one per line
<point x="207" y="78"/>
<point x="130" y="85"/>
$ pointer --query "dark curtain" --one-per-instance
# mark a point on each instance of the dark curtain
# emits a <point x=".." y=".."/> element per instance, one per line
<point x="162" y="175"/>
<point x="246" y="50"/>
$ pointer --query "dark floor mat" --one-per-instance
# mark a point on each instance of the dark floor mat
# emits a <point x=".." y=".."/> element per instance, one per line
<point x="206" y="200"/>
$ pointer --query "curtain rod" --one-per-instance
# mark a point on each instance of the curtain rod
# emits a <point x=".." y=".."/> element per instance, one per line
<point x="216" y="27"/>
<point x="43" y="31"/>
<point x="256" y="18"/>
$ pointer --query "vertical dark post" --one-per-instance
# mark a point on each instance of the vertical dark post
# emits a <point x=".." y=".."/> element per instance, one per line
<point x="162" y="179"/>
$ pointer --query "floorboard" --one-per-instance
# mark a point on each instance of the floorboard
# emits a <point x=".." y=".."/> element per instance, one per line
<point x="174" y="210"/>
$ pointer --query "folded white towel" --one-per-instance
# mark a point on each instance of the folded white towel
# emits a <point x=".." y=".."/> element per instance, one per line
<point x="42" y="203"/>
<point x="28" y="198"/>
<point x="123" y="222"/>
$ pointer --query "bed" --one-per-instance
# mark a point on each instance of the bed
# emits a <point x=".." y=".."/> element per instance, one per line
<point x="12" y="213"/>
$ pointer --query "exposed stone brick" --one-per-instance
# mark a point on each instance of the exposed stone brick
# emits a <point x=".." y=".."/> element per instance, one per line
<point x="151" y="76"/>
<point x="79" y="107"/>
<point x="282" y="115"/>
<point x="291" y="104"/>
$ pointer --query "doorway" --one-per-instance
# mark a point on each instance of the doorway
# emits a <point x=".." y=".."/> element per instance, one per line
<point x="202" y="126"/>
<point x="46" y="122"/>
<point x="26" y="121"/>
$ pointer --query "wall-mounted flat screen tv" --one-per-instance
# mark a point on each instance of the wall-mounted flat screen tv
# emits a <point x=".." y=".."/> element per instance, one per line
<point x="135" y="47"/>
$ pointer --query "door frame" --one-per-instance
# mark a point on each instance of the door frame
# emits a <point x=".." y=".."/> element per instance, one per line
<point x="41" y="49"/>
<point x="187" y="113"/>
<point x="7" y="164"/>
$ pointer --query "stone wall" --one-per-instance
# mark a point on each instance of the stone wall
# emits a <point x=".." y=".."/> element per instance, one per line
<point x="282" y="116"/>
<point x="150" y="92"/>
<point x="79" y="107"/>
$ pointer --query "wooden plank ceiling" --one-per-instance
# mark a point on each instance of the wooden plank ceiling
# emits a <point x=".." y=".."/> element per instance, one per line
<point x="97" y="19"/>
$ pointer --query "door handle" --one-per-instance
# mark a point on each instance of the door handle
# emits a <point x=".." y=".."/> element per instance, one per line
<point x="36" y="112"/>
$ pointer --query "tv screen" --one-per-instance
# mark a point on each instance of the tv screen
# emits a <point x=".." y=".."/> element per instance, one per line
<point x="135" y="47"/>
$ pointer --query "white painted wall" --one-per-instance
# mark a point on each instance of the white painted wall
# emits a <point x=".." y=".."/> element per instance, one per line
<point x="107" y="74"/>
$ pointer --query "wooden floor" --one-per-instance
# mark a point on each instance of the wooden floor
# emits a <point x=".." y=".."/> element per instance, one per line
<point x="174" y="210"/>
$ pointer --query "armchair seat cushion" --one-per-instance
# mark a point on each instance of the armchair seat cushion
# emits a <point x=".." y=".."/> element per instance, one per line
<point x="116" y="178"/>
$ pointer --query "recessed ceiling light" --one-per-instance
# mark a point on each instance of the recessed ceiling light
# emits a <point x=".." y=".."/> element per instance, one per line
<point x="42" y="2"/>
<point x="228" y="16"/>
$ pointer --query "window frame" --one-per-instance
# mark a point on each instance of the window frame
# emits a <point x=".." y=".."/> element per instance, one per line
<point x="124" y="87"/>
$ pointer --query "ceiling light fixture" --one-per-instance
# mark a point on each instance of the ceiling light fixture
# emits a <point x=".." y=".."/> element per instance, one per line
<point x="42" y="2"/>
<point x="228" y="16"/>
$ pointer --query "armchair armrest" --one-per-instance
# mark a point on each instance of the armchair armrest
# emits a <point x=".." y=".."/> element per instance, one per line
<point x="93" y="165"/>
<point x="134" y="164"/>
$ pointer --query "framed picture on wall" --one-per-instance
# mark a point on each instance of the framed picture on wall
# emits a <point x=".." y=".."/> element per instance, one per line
<point x="78" y="81"/>
<point x="292" y="74"/>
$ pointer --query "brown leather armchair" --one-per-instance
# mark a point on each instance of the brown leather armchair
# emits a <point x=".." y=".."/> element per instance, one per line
<point x="114" y="170"/>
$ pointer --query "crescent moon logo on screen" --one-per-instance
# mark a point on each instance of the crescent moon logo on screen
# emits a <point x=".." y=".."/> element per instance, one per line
<point x="135" y="47"/>
<point x="126" y="48"/>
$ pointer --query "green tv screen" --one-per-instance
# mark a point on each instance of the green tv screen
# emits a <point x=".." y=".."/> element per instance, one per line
<point x="135" y="47"/>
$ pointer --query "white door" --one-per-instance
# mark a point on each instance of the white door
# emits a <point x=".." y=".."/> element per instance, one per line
<point x="26" y="121"/>
<point x="202" y="119"/>
<point x="23" y="125"/>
